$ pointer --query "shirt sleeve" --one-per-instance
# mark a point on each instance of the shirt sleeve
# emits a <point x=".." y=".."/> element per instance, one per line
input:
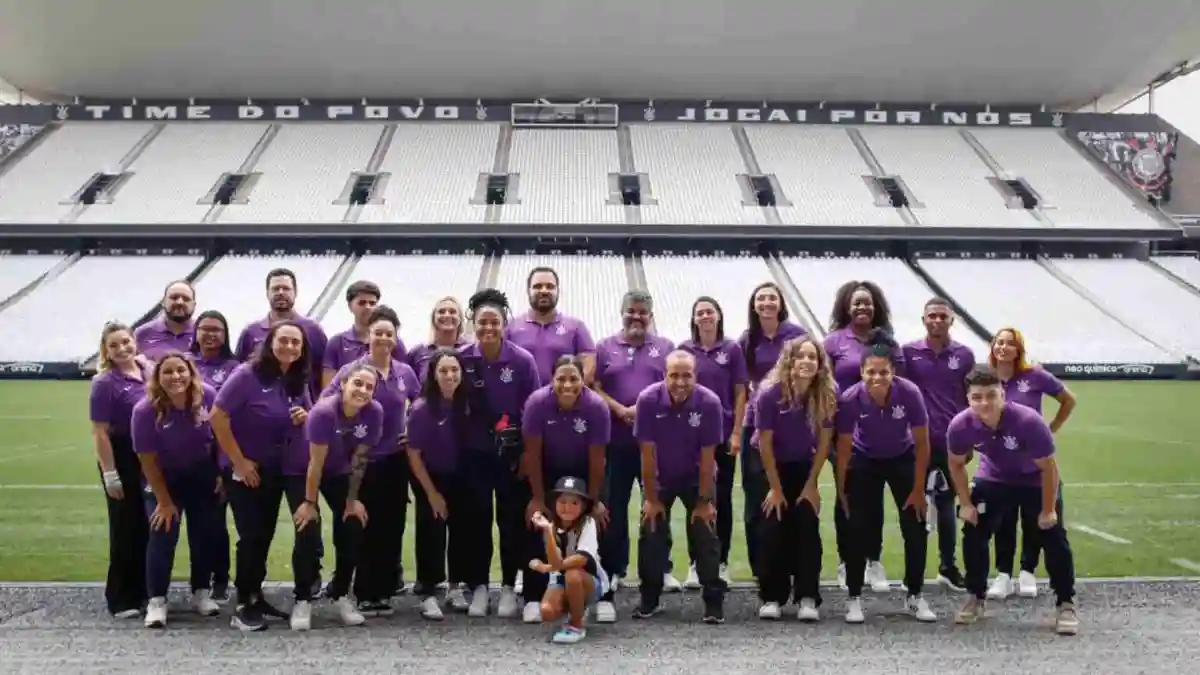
<point x="143" y="429"/>
<point x="532" y="417"/>
<point x="847" y="415"/>
<point x="1051" y="385"/>
<point x="244" y="345"/>
<point x="321" y="426"/>
<point x="643" y="421"/>
<point x="918" y="414"/>
<point x="588" y="546"/>
<point x="420" y="432"/>
<point x="765" y="416"/>
<point x="584" y="344"/>
<point x="600" y="429"/>
<point x="1040" y="440"/>
<point x="100" y="401"/>
<point x="738" y="374"/>
<point x="712" y="424"/>
<point x="400" y="352"/>
<point x="957" y="441"/>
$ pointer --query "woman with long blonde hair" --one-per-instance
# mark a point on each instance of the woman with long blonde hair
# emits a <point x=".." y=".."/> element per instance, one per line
<point x="446" y="328"/>
<point x="117" y="387"/>
<point x="797" y="402"/>
<point x="174" y="444"/>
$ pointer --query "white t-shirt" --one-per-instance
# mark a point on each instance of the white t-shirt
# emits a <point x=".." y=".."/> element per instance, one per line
<point x="585" y="540"/>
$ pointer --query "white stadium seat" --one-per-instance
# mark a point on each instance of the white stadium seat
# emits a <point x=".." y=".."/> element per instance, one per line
<point x="591" y="287"/>
<point x="17" y="272"/>
<point x="236" y="285"/>
<point x="676" y="281"/>
<point x="563" y="176"/>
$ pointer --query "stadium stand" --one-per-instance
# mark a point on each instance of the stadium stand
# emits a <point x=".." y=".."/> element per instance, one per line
<point x="592" y="286"/>
<point x="1185" y="268"/>
<point x="20" y="272"/>
<point x="563" y="176"/>
<point x="236" y="284"/>
<point x="676" y="281"/>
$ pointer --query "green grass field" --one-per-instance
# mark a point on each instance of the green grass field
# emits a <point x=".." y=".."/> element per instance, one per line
<point x="1130" y="459"/>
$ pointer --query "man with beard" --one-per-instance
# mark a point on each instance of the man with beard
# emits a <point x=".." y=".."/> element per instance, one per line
<point x="938" y="366"/>
<point x="281" y="294"/>
<point x="172" y="330"/>
<point x="626" y="364"/>
<point x="549" y="334"/>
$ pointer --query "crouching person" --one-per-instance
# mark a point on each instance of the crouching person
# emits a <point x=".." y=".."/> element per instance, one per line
<point x="572" y="559"/>
<point x="174" y="444"/>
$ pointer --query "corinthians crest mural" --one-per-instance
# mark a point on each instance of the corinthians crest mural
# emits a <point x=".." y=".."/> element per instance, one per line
<point x="1143" y="158"/>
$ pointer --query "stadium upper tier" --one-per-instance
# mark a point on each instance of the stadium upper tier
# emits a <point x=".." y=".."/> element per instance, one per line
<point x="428" y="173"/>
<point x="1071" y="311"/>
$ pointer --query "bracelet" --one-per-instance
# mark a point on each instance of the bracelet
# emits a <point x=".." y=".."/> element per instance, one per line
<point x="111" y="479"/>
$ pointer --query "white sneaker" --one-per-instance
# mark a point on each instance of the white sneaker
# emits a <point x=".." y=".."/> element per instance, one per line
<point x="128" y="614"/>
<point x="1066" y="620"/>
<point x="156" y="613"/>
<point x="671" y="584"/>
<point x="693" y="580"/>
<point x="807" y="611"/>
<point x="854" y="612"/>
<point x="919" y="608"/>
<point x="431" y="610"/>
<point x="605" y="612"/>
<point x="724" y="573"/>
<point x="301" y="616"/>
<point x="1001" y="588"/>
<point x="348" y="612"/>
<point x="457" y="599"/>
<point x="507" y="608"/>
<point x="532" y="613"/>
<point x="877" y="577"/>
<point x="615" y="582"/>
<point x="479" y="602"/>
<point x="841" y="578"/>
<point x="519" y="584"/>
<point x="203" y="603"/>
<point x="1026" y="584"/>
<point x="769" y="611"/>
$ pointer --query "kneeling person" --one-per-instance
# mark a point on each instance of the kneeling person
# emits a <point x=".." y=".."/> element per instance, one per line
<point x="572" y="558"/>
<point x="1017" y="470"/>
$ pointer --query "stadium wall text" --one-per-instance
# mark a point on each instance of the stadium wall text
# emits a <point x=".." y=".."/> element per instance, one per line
<point x="540" y="113"/>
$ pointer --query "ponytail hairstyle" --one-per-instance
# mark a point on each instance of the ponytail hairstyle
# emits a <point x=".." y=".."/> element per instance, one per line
<point x="489" y="297"/>
<point x="880" y="343"/>
<point x="162" y="401"/>
<point x="820" y="398"/>
<point x="105" y="363"/>
<point x="754" y="331"/>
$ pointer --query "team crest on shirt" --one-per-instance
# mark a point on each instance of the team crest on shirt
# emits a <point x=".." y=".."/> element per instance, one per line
<point x="218" y="376"/>
<point x="694" y="419"/>
<point x="1010" y="442"/>
<point x="580" y="425"/>
<point x="1023" y="386"/>
<point x="506" y="375"/>
<point x="953" y="363"/>
<point x="360" y="431"/>
<point x="898" y="412"/>
<point x="201" y="416"/>
<point x="721" y="358"/>
<point x="654" y="352"/>
<point x="561" y="330"/>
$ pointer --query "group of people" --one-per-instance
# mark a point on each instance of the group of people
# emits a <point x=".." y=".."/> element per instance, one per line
<point x="533" y="426"/>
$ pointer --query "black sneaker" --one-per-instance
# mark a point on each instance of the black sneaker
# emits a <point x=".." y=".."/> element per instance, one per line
<point x="645" y="610"/>
<point x="371" y="608"/>
<point x="220" y="592"/>
<point x="951" y="578"/>
<point x="419" y="590"/>
<point x="714" y="612"/>
<point x="268" y="610"/>
<point x="248" y="618"/>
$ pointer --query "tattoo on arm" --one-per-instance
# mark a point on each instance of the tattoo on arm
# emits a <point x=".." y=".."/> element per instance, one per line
<point x="358" y="468"/>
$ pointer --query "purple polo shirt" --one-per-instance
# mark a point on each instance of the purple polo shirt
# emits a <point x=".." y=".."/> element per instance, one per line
<point x="215" y="371"/>
<point x="940" y="375"/>
<point x="566" y="435"/>
<point x="254" y="333"/>
<point x="882" y="432"/>
<point x="328" y="425"/>
<point x="766" y="352"/>
<point x="1008" y="452"/>
<point x="345" y="347"/>
<point x="1028" y="387"/>
<point x="419" y="356"/>
<point x="394" y="392"/>
<point x="433" y="435"/>
<point x="181" y="441"/>
<point x="719" y="369"/>
<point x="259" y="415"/>
<point x="792" y="437"/>
<point x="624" y="370"/>
<point x="112" y="399"/>
<point x="155" y="339"/>
<point x="509" y="380"/>
<point x="846" y="351"/>
<point x="678" y="432"/>
<point x="564" y="336"/>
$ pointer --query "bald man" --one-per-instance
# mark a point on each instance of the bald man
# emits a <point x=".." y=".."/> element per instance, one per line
<point x="678" y="425"/>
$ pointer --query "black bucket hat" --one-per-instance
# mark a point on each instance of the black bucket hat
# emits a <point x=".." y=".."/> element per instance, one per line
<point x="569" y="485"/>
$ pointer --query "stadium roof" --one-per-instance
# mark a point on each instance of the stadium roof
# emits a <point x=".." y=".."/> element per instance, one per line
<point x="1063" y="53"/>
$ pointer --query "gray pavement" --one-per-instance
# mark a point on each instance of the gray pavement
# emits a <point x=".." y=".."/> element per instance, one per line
<point x="1127" y="628"/>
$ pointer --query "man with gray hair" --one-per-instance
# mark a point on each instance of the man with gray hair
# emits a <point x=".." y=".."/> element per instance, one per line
<point x="626" y="364"/>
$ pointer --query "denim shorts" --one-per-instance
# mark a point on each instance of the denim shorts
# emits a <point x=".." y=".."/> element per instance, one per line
<point x="556" y="581"/>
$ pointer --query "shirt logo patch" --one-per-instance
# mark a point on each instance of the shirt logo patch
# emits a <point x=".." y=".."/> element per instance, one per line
<point x="218" y="376"/>
<point x="721" y="358"/>
<point x="953" y="363"/>
<point x="654" y="353"/>
<point x="694" y="419"/>
<point x="898" y="412"/>
<point x="1024" y="387"/>
<point x="1010" y="443"/>
<point x="506" y="375"/>
<point x="580" y="425"/>
<point x="202" y="416"/>
<point x="561" y="330"/>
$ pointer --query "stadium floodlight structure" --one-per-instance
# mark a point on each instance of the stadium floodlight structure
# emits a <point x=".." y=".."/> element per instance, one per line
<point x="586" y="114"/>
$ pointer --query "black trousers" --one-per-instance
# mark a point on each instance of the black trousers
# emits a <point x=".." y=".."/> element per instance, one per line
<point x="864" y="487"/>
<point x="220" y="554"/>
<point x="841" y="522"/>
<point x="726" y="467"/>
<point x="654" y="548"/>
<point x="462" y="543"/>
<point x="384" y="493"/>
<point x="255" y="515"/>
<point x="128" y="532"/>
<point x="943" y="502"/>
<point x="306" y="549"/>
<point x="491" y="475"/>
<point x="998" y="502"/>
<point x="791" y="555"/>
<point x="754" y="489"/>
<point x="194" y="494"/>
<point x="1031" y="538"/>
